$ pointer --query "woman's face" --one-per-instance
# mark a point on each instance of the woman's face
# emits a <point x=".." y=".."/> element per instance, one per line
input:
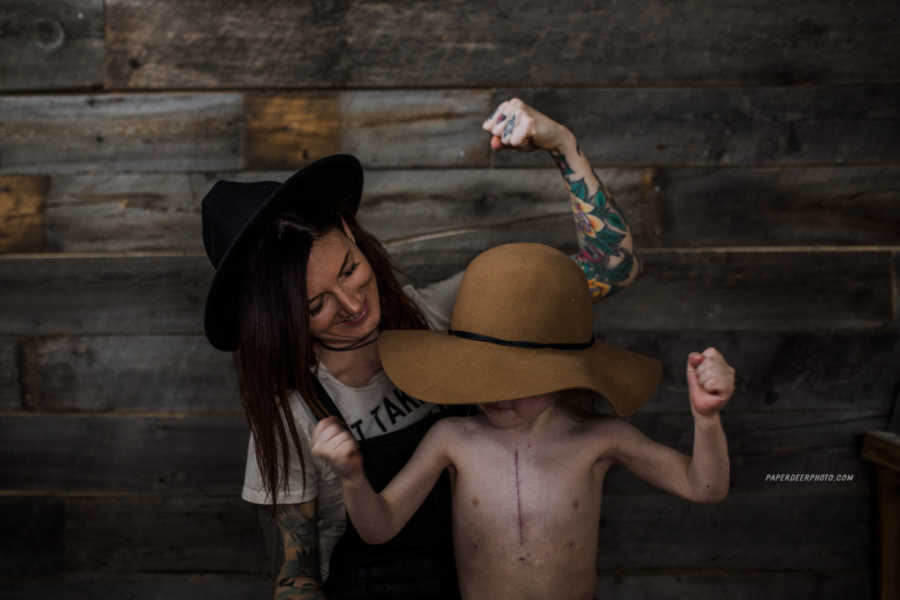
<point x="341" y="291"/>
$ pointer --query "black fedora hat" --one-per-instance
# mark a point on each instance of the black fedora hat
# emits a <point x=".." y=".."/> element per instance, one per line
<point x="233" y="212"/>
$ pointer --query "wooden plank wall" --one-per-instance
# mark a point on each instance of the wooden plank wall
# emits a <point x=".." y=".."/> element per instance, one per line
<point x="754" y="145"/>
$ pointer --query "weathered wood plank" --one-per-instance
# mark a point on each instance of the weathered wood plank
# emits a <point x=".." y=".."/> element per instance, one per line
<point x="185" y="453"/>
<point x="161" y="294"/>
<point x="121" y="212"/>
<point x="10" y="388"/>
<point x="764" y="446"/>
<point x="147" y="587"/>
<point x="717" y="291"/>
<point x="775" y="372"/>
<point x="643" y="531"/>
<point x="780" y="206"/>
<point x="407" y="128"/>
<point x="144" y="587"/>
<point x="33" y="536"/>
<point x="146" y="132"/>
<point x="838" y="468"/>
<point x="771" y="530"/>
<point x="724" y="126"/>
<point x="417" y="128"/>
<point x="51" y="45"/>
<point x="441" y="128"/>
<point x="22" y="206"/>
<point x="766" y="434"/>
<point x="288" y="130"/>
<point x="757" y="291"/>
<point x="169" y="43"/>
<point x="126" y="212"/>
<point x="741" y="585"/>
<point x="162" y="454"/>
<point x="163" y="534"/>
<point x="142" y="373"/>
<point x="615" y="585"/>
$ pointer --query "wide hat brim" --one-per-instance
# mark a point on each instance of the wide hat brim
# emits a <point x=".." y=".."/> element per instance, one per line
<point x="444" y="369"/>
<point x="331" y="183"/>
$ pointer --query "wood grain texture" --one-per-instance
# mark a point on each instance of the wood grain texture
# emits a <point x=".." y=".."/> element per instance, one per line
<point x="10" y="388"/>
<point x="128" y="373"/>
<point x="145" y="132"/>
<point x="163" y="534"/>
<point x="762" y="291"/>
<point x="288" y="130"/>
<point x="51" y="44"/>
<point x="716" y="291"/>
<point x="637" y="531"/>
<point x="741" y="585"/>
<point x="146" y="587"/>
<point x="813" y="372"/>
<point x="22" y="212"/>
<point x="33" y="536"/>
<point x="405" y="128"/>
<point x="169" y="43"/>
<point x="154" y="294"/>
<point x="636" y="585"/>
<point x="756" y="531"/>
<point x="713" y="291"/>
<point x="780" y="206"/>
<point x="124" y="454"/>
<point x="207" y="454"/>
<point x="722" y="126"/>
<point x="126" y="212"/>
<point x="786" y="373"/>
<point x="438" y="128"/>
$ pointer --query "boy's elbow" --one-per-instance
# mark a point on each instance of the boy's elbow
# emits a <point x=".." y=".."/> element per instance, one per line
<point x="711" y="495"/>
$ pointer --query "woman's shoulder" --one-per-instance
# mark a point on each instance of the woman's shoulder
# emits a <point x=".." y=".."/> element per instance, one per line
<point x="436" y="300"/>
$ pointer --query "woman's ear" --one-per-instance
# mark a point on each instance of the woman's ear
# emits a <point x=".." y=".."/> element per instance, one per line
<point x="347" y="231"/>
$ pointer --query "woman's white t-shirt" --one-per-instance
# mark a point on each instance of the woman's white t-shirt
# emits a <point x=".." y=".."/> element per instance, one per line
<point x="374" y="409"/>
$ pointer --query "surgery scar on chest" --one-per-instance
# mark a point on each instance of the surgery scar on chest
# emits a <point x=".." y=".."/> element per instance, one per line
<point x="519" y="500"/>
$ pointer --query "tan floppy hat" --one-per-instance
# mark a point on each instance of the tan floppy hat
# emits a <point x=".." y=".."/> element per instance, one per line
<point x="521" y="326"/>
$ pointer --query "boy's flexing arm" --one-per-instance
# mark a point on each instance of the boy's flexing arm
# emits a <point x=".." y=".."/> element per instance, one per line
<point x="379" y="517"/>
<point x="607" y="255"/>
<point x="703" y="477"/>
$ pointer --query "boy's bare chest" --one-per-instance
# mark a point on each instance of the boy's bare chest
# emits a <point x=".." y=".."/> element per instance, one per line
<point x="525" y="502"/>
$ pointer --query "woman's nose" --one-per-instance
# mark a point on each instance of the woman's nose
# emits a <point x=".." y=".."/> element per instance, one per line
<point x="350" y="301"/>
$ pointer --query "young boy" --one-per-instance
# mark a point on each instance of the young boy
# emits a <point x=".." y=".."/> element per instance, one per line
<point x="527" y="474"/>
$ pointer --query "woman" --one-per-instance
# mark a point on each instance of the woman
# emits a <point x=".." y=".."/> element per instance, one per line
<point x="299" y="295"/>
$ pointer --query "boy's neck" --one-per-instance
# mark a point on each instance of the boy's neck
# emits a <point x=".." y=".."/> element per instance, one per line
<point x="523" y="416"/>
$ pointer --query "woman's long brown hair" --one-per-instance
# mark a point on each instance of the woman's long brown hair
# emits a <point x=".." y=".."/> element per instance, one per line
<point x="275" y="354"/>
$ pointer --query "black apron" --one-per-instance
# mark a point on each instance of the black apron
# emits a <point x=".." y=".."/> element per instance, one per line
<point x="418" y="563"/>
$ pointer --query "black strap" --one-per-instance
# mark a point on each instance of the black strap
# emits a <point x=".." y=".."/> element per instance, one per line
<point x="325" y="399"/>
<point x="468" y="335"/>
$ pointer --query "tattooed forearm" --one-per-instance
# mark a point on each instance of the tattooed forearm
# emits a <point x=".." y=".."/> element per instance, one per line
<point x="299" y="575"/>
<point x="606" y="249"/>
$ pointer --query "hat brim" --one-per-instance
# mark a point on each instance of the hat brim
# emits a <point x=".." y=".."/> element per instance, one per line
<point x="444" y="369"/>
<point x="337" y="179"/>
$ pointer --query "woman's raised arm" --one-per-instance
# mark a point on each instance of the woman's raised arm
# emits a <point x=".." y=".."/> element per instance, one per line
<point x="607" y="255"/>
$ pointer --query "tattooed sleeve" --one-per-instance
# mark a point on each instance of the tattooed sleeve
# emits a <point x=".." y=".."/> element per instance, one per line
<point x="299" y="575"/>
<point x="601" y="229"/>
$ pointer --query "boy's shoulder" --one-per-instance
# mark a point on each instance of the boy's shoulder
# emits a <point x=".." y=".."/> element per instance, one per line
<point x="457" y="426"/>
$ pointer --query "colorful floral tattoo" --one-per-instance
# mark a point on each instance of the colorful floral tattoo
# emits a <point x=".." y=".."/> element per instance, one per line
<point x="600" y="227"/>
<point x="299" y="574"/>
